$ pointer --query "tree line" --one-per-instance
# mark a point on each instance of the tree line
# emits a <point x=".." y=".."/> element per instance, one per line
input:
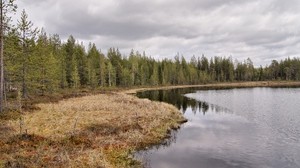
<point x="46" y="64"/>
<point x="37" y="63"/>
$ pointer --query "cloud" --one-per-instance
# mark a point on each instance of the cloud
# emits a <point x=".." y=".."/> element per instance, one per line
<point x="261" y="30"/>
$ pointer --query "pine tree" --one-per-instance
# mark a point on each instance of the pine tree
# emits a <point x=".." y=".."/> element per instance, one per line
<point x="116" y="60"/>
<point x="133" y="61"/>
<point x="46" y="70"/>
<point x="82" y="64"/>
<point x="68" y="51"/>
<point x="28" y="34"/>
<point x="6" y="6"/>
<point x="111" y="74"/>
<point x="93" y="65"/>
<point x="154" y="75"/>
<point x="75" y="77"/>
<point x="58" y="53"/>
<point x="12" y="59"/>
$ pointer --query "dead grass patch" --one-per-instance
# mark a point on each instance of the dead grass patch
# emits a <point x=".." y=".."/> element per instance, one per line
<point x="93" y="131"/>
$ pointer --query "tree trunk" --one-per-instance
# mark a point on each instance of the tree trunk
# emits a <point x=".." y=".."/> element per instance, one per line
<point x="1" y="60"/>
<point x="24" y="86"/>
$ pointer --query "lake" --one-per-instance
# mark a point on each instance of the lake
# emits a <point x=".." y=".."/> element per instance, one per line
<point x="242" y="127"/>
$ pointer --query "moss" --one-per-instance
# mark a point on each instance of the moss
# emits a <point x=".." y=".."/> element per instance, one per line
<point x="121" y="158"/>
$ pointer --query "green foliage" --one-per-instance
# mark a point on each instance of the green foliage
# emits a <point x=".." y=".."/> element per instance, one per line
<point x="39" y="64"/>
<point x="6" y="7"/>
<point x="52" y="65"/>
<point x="111" y="74"/>
<point x="45" y="74"/>
<point x="27" y="35"/>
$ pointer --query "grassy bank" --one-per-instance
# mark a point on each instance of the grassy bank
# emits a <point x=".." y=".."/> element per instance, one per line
<point x="85" y="129"/>
<point x="92" y="131"/>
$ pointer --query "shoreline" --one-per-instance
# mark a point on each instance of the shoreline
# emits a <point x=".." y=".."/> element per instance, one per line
<point x="86" y="132"/>
<point x="220" y="85"/>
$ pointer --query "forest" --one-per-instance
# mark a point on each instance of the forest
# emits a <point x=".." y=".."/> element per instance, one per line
<point x="65" y="103"/>
<point x="36" y="63"/>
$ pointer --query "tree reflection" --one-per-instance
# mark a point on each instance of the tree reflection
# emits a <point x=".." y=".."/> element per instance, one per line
<point x="204" y="107"/>
<point x="177" y="98"/>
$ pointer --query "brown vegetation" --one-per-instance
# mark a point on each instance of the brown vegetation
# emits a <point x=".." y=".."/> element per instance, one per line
<point x="93" y="131"/>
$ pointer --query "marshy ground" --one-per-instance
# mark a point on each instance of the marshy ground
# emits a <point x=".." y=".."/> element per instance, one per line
<point x="92" y="131"/>
<point x="101" y="130"/>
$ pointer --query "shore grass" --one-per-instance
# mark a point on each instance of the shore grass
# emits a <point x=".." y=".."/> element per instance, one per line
<point x="100" y="129"/>
<point x="92" y="131"/>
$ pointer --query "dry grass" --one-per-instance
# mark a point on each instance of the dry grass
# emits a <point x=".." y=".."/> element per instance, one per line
<point x="93" y="131"/>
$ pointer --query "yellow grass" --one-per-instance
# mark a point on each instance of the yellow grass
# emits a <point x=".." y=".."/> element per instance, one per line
<point x="91" y="131"/>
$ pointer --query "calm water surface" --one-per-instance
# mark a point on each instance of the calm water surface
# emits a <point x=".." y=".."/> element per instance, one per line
<point x="251" y="128"/>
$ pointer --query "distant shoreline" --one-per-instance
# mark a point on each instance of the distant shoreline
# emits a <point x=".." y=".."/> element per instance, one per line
<point x="217" y="85"/>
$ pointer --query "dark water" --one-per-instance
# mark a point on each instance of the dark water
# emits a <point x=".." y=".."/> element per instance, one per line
<point x="250" y="128"/>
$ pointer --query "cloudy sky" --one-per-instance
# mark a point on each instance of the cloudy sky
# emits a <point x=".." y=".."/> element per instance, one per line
<point x="259" y="29"/>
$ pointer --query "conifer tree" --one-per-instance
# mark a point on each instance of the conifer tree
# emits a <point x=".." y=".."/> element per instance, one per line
<point x="111" y="74"/>
<point x="82" y="64"/>
<point x="55" y="44"/>
<point x="6" y="6"/>
<point x="75" y="77"/>
<point x="28" y="35"/>
<point x="93" y="65"/>
<point x="68" y="51"/>
<point x="46" y="72"/>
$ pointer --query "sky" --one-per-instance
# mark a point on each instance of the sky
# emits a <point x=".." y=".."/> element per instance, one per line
<point x="262" y="30"/>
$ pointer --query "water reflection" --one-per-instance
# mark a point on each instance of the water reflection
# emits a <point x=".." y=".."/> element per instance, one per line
<point x="248" y="128"/>
<point x="177" y="97"/>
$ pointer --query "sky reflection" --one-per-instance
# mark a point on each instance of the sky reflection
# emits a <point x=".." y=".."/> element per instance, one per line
<point x="250" y="132"/>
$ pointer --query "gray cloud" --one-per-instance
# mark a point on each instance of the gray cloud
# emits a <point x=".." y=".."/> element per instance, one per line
<point x="261" y="30"/>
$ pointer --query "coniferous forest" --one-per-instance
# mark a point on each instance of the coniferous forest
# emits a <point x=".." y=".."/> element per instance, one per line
<point x="67" y="103"/>
<point x="38" y="63"/>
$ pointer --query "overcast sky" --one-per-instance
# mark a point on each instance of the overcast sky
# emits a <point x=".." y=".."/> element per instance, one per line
<point x="259" y="29"/>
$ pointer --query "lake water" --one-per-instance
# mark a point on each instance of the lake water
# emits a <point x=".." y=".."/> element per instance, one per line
<point x="248" y="128"/>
